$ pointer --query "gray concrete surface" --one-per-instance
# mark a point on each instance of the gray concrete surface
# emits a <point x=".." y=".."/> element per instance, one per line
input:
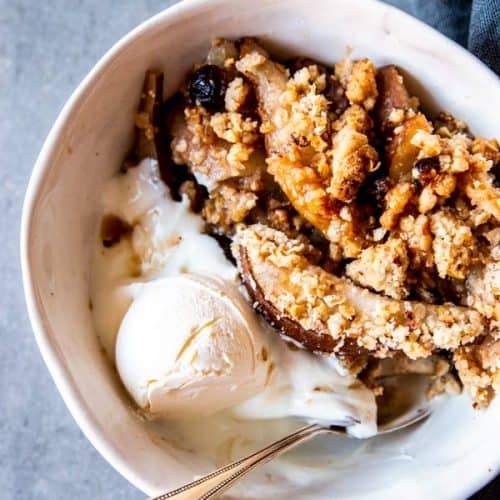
<point x="46" y="48"/>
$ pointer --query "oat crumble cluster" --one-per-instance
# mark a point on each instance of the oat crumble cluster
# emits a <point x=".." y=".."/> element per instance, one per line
<point x="361" y="225"/>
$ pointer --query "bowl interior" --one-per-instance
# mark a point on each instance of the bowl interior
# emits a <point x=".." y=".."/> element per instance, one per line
<point x="87" y="146"/>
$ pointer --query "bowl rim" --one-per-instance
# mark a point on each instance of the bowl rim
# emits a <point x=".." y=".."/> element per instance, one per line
<point x="62" y="378"/>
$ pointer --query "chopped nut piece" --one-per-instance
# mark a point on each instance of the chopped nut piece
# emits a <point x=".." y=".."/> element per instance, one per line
<point x="428" y="144"/>
<point x="395" y="203"/>
<point x="488" y="149"/>
<point x="427" y="200"/>
<point x="447" y="125"/>
<point x="416" y="232"/>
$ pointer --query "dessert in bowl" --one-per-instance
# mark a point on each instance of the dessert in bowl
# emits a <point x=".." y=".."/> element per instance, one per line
<point x="285" y="253"/>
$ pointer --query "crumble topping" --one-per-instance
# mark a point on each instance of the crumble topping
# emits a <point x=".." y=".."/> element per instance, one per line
<point x="196" y="145"/>
<point x="454" y="245"/>
<point x="320" y="301"/>
<point x="227" y="206"/>
<point x="357" y="181"/>
<point x="382" y="268"/>
<point x="233" y="128"/>
<point x="478" y="367"/>
<point x="358" y="78"/>
<point x="236" y="94"/>
<point x="353" y="160"/>
<point x="395" y="204"/>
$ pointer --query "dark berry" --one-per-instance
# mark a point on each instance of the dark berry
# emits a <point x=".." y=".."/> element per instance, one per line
<point x="373" y="191"/>
<point x="425" y="170"/>
<point x="207" y="87"/>
<point x="495" y="171"/>
<point x="380" y="188"/>
<point x="335" y="94"/>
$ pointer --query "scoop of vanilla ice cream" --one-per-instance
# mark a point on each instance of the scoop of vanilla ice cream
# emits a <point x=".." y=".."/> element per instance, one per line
<point x="167" y="240"/>
<point x="190" y="346"/>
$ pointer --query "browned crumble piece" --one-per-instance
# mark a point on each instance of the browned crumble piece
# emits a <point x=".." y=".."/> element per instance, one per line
<point x="355" y="118"/>
<point x="353" y="160"/>
<point x="382" y="268"/>
<point x="478" y="367"/>
<point x="479" y="186"/>
<point x="236" y="94"/>
<point x="234" y="128"/>
<point x="358" y="78"/>
<point x="416" y="232"/>
<point x="454" y="245"/>
<point x="483" y="285"/>
<point x="395" y="203"/>
<point x="228" y="206"/>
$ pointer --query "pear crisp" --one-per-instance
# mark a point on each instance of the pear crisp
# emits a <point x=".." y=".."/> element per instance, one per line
<point x="364" y="227"/>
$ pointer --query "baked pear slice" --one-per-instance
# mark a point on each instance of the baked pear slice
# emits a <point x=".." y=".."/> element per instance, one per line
<point x="329" y="314"/>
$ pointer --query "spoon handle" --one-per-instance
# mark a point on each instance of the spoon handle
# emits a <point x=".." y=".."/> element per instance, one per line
<point x="215" y="483"/>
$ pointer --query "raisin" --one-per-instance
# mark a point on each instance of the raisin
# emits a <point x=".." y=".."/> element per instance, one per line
<point x="335" y="94"/>
<point x="373" y="191"/>
<point x="207" y="87"/>
<point x="495" y="171"/>
<point x="425" y="170"/>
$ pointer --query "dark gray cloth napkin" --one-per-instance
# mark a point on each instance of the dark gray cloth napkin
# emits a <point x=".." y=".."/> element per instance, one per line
<point x="475" y="24"/>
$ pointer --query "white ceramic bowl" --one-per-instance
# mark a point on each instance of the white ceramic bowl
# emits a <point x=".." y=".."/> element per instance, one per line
<point x="449" y="456"/>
